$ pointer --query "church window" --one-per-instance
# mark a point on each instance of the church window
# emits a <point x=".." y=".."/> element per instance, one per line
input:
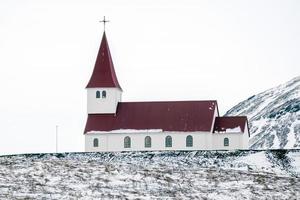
<point x="226" y="142"/>
<point x="147" y="141"/>
<point x="96" y="142"/>
<point x="168" y="141"/>
<point x="104" y="94"/>
<point x="189" y="141"/>
<point x="98" y="94"/>
<point x="127" y="142"/>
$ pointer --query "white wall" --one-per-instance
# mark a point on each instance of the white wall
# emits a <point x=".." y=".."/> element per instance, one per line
<point x="216" y="114"/>
<point x="103" y="105"/>
<point x="246" y="137"/>
<point x="201" y="141"/>
<point x="236" y="141"/>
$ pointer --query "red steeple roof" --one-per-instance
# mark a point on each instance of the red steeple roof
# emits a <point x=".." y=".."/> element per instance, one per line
<point x="104" y="74"/>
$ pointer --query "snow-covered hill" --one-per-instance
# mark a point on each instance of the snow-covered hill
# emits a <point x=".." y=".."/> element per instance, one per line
<point x="210" y="175"/>
<point x="274" y="116"/>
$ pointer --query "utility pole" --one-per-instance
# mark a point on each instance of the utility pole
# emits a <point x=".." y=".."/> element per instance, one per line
<point x="56" y="139"/>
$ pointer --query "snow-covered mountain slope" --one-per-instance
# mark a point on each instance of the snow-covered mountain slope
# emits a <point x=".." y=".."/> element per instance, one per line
<point x="211" y="175"/>
<point x="274" y="116"/>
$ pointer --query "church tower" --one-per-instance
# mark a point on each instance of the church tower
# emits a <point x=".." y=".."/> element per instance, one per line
<point x="103" y="90"/>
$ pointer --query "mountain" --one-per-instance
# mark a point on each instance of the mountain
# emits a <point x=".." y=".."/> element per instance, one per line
<point x="274" y="116"/>
<point x="210" y="175"/>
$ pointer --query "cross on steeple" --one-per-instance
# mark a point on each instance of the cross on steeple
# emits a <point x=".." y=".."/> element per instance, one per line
<point x="104" y="21"/>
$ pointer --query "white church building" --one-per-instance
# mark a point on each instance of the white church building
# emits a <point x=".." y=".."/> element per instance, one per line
<point x="113" y="125"/>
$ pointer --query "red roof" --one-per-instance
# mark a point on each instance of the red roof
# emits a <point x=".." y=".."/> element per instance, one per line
<point x="223" y="123"/>
<point x="104" y="73"/>
<point x="168" y="116"/>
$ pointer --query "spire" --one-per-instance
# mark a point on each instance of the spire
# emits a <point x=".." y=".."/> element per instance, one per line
<point x="104" y="73"/>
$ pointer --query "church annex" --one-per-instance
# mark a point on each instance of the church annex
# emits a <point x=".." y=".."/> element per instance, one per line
<point x="113" y="125"/>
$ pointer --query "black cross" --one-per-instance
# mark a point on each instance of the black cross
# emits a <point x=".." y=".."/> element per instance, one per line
<point x="104" y="21"/>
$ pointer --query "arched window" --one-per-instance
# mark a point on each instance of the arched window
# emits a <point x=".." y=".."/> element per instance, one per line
<point x="226" y="141"/>
<point x="96" y="142"/>
<point x="98" y="94"/>
<point x="189" y="141"/>
<point x="127" y="142"/>
<point x="168" y="141"/>
<point x="104" y="94"/>
<point x="147" y="141"/>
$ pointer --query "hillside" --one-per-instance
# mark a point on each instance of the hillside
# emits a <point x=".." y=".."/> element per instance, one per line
<point x="274" y="116"/>
<point x="152" y="175"/>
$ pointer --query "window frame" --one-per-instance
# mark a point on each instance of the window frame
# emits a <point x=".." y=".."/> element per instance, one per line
<point x="98" y="94"/>
<point x="189" y="141"/>
<point x="226" y="142"/>
<point x="127" y="142"/>
<point x="103" y="94"/>
<point x="148" y="142"/>
<point x="95" y="142"/>
<point x="168" y="141"/>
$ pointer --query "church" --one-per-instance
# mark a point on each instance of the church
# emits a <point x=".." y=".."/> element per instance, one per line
<point x="114" y="125"/>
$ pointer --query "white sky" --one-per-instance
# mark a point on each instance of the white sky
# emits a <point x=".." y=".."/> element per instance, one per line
<point x="162" y="50"/>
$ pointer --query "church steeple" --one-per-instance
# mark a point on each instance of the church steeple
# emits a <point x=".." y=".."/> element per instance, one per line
<point x="104" y="75"/>
<point x="103" y="90"/>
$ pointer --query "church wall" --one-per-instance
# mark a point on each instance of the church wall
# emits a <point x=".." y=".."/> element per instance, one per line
<point x="115" y="141"/>
<point x="103" y="105"/>
<point x="236" y="141"/>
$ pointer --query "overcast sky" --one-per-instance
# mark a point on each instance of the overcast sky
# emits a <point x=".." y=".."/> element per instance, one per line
<point x="162" y="50"/>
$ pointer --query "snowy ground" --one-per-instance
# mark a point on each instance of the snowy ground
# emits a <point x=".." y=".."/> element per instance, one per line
<point x="152" y="175"/>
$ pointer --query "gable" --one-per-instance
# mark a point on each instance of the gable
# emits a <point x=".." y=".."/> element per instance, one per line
<point x="232" y="124"/>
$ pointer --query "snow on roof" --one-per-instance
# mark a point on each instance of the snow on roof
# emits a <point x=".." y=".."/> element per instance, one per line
<point x="128" y="131"/>
<point x="233" y="130"/>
